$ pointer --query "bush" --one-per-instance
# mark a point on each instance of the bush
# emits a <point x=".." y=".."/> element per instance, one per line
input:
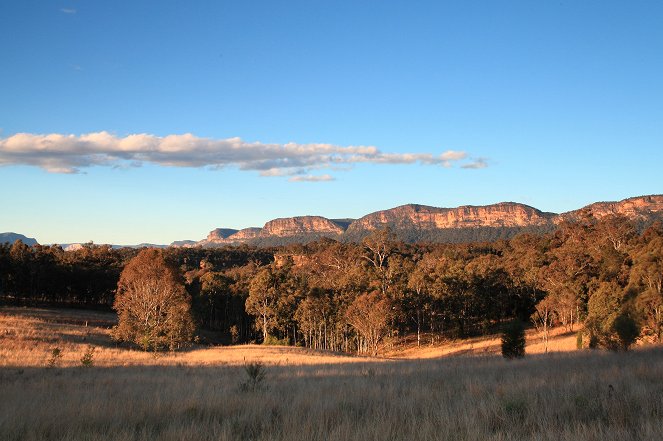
<point x="87" y="360"/>
<point x="255" y="376"/>
<point x="609" y="321"/>
<point x="54" y="359"/>
<point x="270" y="340"/>
<point x="626" y="330"/>
<point x="513" y="340"/>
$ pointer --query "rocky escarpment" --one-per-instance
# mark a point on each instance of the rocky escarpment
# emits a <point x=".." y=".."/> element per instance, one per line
<point x="301" y="225"/>
<point x="289" y="227"/>
<point x="505" y="214"/>
<point x="184" y="243"/>
<point x="415" y="223"/>
<point x="637" y="208"/>
<point x="220" y="234"/>
<point x="245" y="234"/>
<point x="295" y="228"/>
<point x="228" y="236"/>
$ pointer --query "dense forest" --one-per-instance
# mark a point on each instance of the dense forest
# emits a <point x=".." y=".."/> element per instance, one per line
<point x="350" y="297"/>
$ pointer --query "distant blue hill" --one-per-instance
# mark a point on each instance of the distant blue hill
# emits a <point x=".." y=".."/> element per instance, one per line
<point x="13" y="237"/>
<point x="77" y="246"/>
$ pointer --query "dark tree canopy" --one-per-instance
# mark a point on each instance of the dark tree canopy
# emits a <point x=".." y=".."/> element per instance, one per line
<point x="513" y="340"/>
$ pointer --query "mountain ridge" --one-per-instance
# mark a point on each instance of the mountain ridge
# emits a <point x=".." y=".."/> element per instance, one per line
<point x="414" y="223"/>
<point x="11" y="237"/>
<point x="417" y="222"/>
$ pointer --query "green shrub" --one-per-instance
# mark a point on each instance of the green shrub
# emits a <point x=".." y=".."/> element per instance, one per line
<point x="270" y="340"/>
<point x="255" y="377"/>
<point x="87" y="360"/>
<point x="54" y="359"/>
<point x="626" y="330"/>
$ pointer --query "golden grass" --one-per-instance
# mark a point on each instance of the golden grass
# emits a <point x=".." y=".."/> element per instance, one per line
<point x="28" y="335"/>
<point x="559" y="341"/>
<point x="132" y="396"/>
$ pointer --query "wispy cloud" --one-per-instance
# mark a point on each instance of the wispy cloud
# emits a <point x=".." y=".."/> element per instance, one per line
<point x="59" y="153"/>
<point x="311" y="178"/>
<point x="68" y="10"/>
<point x="476" y="164"/>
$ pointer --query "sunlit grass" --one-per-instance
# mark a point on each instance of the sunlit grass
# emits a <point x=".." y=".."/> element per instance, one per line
<point x="28" y="335"/>
<point x="565" y="396"/>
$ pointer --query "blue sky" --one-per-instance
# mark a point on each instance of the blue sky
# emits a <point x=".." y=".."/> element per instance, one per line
<point x="348" y="106"/>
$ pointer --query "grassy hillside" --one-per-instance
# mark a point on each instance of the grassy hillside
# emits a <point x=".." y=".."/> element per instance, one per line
<point x="206" y="394"/>
<point x="29" y="335"/>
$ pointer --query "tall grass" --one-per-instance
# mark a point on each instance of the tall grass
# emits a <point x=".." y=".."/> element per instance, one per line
<point x="584" y="396"/>
<point x="215" y="394"/>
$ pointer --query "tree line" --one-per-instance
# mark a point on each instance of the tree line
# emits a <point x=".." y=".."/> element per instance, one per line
<point x="606" y="275"/>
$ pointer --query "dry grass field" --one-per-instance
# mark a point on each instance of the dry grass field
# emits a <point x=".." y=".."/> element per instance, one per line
<point x="207" y="394"/>
<point x="28" y="335"/>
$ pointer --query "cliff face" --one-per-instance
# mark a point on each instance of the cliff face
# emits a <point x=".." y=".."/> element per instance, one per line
<point x="290" y="227"/>
<point x="184" y="243"/>
<point x="640" y="207"/>
<point x="301" y="225"/>
<point x="220" y="233"/>
<point x="226" y="236"/>
<point x="245" y="234"/>
<point x="505" y="214"/>
<point x="421" y="222"/>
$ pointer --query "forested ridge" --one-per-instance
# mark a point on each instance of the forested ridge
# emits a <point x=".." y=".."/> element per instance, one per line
<point x="351" y="296"/>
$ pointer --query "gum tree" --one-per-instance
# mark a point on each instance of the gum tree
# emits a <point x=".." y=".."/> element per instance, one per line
<point x="154" y="309"/>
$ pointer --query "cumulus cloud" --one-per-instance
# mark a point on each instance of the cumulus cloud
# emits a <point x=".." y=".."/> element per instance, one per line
<point x="60" y="153"/>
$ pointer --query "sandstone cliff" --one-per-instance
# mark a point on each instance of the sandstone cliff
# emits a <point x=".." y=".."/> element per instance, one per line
<point x="425" y="223"/>
<point x="505" y="214"/>
<point x="220" y="233"/>
<point x="301" y="225"/>
<point x="228" y="236"/>
<point x="638" y="208"/>
<point x="184" y="243"/>
<point x="245" y="234"/>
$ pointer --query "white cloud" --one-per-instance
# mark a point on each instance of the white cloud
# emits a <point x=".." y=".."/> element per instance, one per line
<point x="311" y="178"/>
<point x="60" y="153"/>
<point x="453" y="155"/>
<point x="68" y="10"/>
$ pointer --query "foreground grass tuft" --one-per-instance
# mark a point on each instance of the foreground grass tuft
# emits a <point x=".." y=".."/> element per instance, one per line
<point x="255" y="377"/>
